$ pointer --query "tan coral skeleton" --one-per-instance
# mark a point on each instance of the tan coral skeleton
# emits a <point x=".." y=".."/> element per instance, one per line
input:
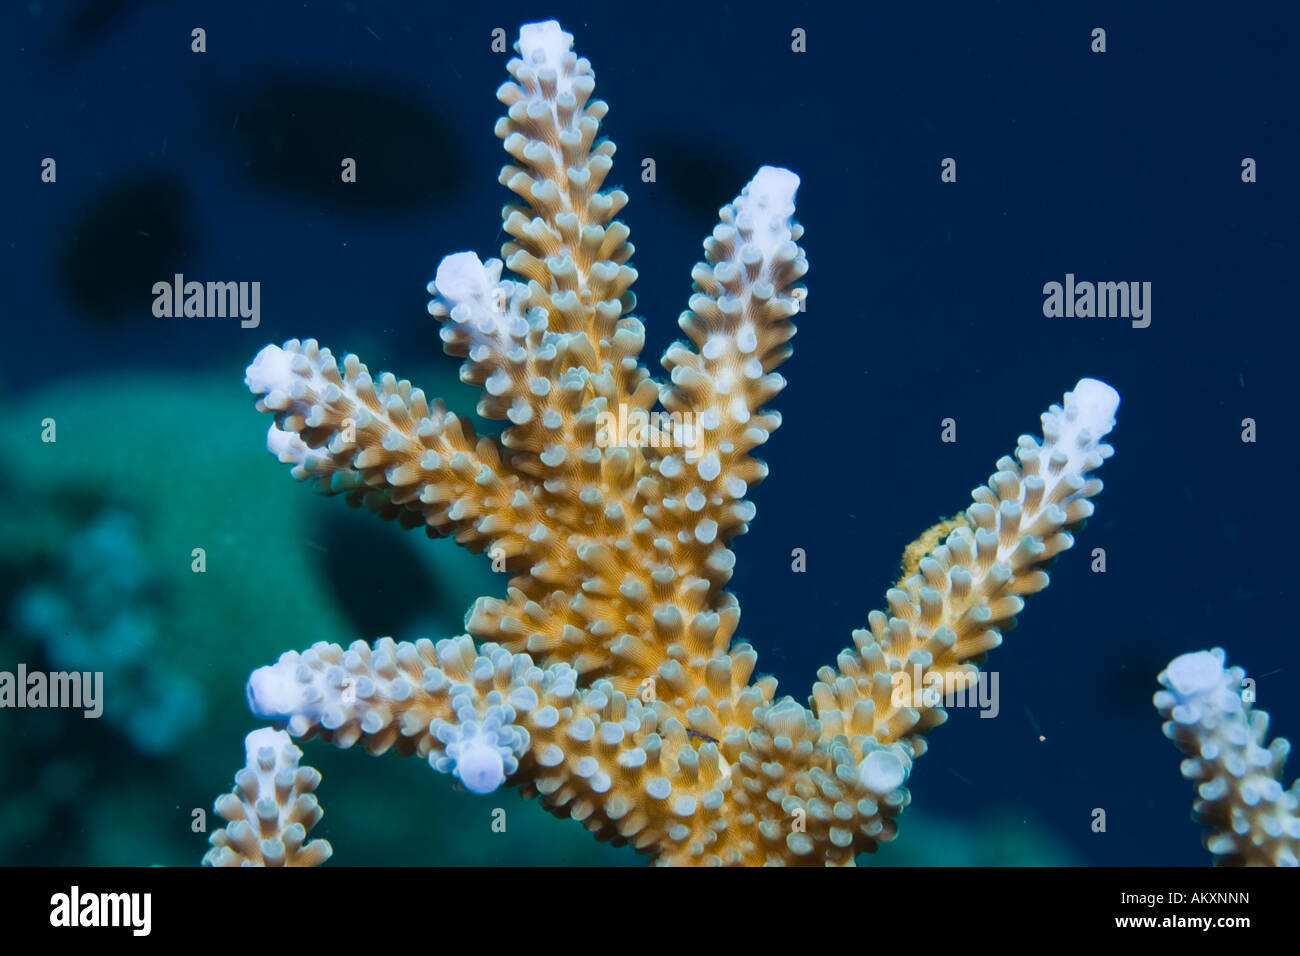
<point x="608" y="682"/>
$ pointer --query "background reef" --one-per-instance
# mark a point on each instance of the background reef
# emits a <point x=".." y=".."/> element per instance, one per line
<point x="925" y="302"/>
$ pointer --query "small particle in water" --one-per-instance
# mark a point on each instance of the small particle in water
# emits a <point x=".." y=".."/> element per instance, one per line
<point x="1033" y="723"/>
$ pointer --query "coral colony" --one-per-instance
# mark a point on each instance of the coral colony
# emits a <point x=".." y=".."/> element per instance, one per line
<point x="608" y="683"/>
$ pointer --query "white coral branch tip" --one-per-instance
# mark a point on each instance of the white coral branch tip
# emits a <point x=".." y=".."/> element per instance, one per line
<point x="766" y="206"/>
<point x="270" y="370"/>
<point x="276" y="741"/>
<point x="544" y="44"/>
<point x="1095" y="402"/>
<point x="274" y="692"/>
<point x="479" y="765"/>
<point x="287" y="447"/>
<point x="885" y="770"/>
<point x="477" y="299"/>
<point x="1075" y="430"/>
<point x="462" y="277"/>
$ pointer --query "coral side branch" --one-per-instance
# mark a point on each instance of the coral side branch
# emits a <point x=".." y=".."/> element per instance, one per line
<point x="382" y="444"/>
<point x="951" y="608"/>
<point x="1252" y="820"/>
<point x="553" y="386"/>
<point x="447" y="702"/>
<point x="739" y="323"/>
<point x="271" y="810"/>
<point x="626" y="767"/>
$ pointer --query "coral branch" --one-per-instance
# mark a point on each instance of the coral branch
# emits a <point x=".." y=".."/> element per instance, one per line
<point x="383" y="444"/>
<point x="573" y="257"/>
<point x="964" y="593"/>
<point x="271" y="810"/>
<point x="739" y="322"/>
<point x="1252" y="821"/>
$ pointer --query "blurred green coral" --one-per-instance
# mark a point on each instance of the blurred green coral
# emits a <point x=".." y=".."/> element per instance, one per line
<point x="98" y="563"/>
<point x="98" y="612"/>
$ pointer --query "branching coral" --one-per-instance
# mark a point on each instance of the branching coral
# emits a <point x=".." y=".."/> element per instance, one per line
<point x="1252" y="820"/>
<point x="608" y="682"/>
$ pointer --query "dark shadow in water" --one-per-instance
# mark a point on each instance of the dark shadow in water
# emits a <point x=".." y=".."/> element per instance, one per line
<point x="697" y="178"/>
<point x="135" y="233"/>
<point x="87" y="25"/>
<point x="373" y="571"/>
<point x="295" y="130"/>
<point x="1129" y="685"/>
